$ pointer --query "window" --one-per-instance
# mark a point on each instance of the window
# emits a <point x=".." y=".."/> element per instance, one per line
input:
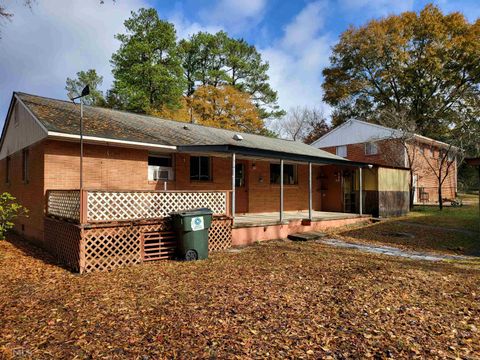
<point x="25" y="174"/>
<point x="371" y="148"/>
<point x="7" y="169"/>
<point x="342" y="151"/>
<point x="289" y="174"/>
<point x="160" y="167"/>
<point x="200" y="168"/>
<point x="239" y="175"/>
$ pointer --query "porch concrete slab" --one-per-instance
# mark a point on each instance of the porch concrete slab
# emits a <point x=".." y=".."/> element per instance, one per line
<point x="273" y="218"/>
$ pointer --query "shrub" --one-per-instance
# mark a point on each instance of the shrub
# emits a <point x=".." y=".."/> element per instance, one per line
<point x="9" y="210"/>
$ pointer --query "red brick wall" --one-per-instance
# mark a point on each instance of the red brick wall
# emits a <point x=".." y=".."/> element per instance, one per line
<point x="28" y="194"/>
<point x="265" y="197"/>
<point x="427" y="177"/>
<point x="116" y="168"/>
<point x="390" y="153"/>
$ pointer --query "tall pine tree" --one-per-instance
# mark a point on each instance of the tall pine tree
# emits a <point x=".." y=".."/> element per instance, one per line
<point x="147" y="69"/>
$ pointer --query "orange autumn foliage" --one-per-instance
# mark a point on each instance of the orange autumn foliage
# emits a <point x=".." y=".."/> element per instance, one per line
<point x="223" y="107"/>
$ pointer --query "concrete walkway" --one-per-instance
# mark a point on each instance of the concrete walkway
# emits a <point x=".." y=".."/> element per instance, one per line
<point x="393" y="251"/>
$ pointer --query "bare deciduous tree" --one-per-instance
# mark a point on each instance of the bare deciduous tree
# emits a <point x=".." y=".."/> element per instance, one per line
<point x="302" y="124"/>
<point x="442" y="165"/>
<point x="404" y="138"/>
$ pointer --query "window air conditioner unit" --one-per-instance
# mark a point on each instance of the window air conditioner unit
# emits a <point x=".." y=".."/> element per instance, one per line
<point x="163" y="173"/>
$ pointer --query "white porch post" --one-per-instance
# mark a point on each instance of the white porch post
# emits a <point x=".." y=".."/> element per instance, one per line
<point x="361" y="190"/>
<point x="281" y="190"/>
<point x="233" y="186"/>
<point x="310" y="191"/>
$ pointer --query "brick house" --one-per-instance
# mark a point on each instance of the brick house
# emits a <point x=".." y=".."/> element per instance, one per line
<point x="137" y="169"/>
<point x="366" y="142"/>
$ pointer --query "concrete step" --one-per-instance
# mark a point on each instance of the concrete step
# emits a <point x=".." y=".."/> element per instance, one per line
<point x="311" y="235"/>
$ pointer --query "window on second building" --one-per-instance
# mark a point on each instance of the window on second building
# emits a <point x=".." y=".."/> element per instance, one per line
<point x="200" y="168"/>
<point x="160" y="168"/>
<point x="25" y="167"/>
<point x="7" y="169"/>
<point x="371" y="148"/>
<point x="289" y="174"/>
<point x="342" y="151"/>
<point x="451" y="156"/>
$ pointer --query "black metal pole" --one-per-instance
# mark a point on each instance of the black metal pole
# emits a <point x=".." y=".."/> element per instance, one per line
<point x="81" y="144"/>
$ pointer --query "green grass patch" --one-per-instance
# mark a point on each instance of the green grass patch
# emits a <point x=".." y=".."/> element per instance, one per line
<point x="418" y="237"/>
<point x="465" y="217"/>
<point x="451" y="230"/>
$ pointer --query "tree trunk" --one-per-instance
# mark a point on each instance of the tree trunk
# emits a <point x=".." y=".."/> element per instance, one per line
<point x="412" y="192"/>
<point x="440" y="200"/>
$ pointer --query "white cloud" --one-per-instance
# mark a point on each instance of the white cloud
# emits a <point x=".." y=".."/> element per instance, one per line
<point x="235" y="15"/>
<point x="55" y="39"/>
<point x="377" y="7"/>
<point x="305" y="26"/>
<point x="185" y="28"/>
<point x="297" y="59"/>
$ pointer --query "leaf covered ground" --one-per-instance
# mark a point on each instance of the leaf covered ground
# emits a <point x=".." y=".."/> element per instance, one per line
<point x="272" y="300"/>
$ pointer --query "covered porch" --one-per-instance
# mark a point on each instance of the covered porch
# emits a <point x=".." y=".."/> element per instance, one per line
<point x="273" y="187"/>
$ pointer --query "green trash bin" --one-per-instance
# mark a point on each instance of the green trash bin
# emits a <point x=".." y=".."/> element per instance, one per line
<point x="191" y="228"/>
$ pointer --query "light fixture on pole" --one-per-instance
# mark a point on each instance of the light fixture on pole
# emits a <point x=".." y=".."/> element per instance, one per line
<point x="85" y="92"/>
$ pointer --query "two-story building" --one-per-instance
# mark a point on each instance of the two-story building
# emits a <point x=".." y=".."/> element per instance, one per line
<point x="375" y="144"/>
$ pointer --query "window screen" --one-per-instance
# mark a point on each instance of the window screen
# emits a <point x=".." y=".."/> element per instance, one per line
<point x="371" y="148"/>
<point x="25" y="167"/>
<point x="289" y="174"/>
<point x="165" y="161"/>
<point x="7" y="169"/>
<point x="342" y="151"/>
<point x="200" y="168"/>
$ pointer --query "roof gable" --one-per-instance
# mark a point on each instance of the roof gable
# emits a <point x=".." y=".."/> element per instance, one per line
<point x="353" y="132"/>
<point x="21" y="129"/>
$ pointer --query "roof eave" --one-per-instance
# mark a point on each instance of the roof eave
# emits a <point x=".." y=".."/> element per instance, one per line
<point x="266" y="154"/>
<point x="108" y="141"/>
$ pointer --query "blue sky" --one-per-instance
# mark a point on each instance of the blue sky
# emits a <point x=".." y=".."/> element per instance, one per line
<point x="44" y="45"/>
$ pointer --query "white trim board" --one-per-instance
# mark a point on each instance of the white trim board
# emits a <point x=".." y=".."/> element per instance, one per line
<point x="100" y="140"/>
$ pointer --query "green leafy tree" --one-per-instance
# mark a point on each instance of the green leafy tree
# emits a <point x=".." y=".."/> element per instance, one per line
<point x="91" y="78"/>
<point x="218" y="60"/>
<point x="9" y="210"/>
<point x="147" y="70"/>
<point x="426" y="64"/>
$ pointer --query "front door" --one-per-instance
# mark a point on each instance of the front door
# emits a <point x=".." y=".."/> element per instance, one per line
<point x="241" y="190"/>
<point x="348" y="179"/>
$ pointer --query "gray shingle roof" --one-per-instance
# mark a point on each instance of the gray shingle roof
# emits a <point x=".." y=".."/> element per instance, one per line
<point x="63" y="117"/>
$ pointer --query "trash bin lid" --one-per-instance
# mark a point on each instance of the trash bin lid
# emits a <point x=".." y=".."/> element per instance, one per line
<point x="192" y="212"/>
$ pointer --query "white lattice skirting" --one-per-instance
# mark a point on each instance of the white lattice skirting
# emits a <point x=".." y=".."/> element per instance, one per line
<point x="64" y="204"/>
<point x="104" y="206"/>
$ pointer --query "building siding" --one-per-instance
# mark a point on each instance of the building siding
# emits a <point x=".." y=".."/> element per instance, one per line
<point x="55" y="165"/>
<point x="30" y="194"/>
<point x="393" y="153"/>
